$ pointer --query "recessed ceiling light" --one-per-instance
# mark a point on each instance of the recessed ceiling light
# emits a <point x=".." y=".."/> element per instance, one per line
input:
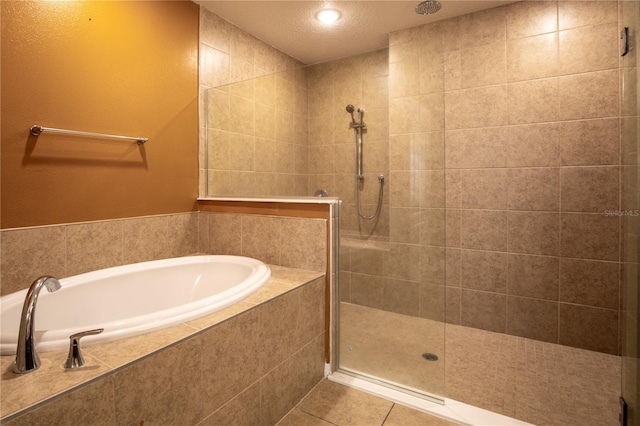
<point x="328" y="16"/>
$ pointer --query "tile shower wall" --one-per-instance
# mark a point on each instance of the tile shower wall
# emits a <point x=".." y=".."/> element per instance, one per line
<point x="361" y="81"/>
<point x="255" y="140"/>
<point x="374" y="275"/>
<point x="400" y="266"/>
<point x="531" y="116"/>
<point x="526" y="97"/>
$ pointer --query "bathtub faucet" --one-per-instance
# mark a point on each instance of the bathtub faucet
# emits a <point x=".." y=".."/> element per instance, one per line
<point x="27" y="358"/>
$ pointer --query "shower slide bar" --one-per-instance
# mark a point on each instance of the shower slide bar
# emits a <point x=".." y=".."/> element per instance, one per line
<point x="358" y="128"/>
<point x="36" y="130"/>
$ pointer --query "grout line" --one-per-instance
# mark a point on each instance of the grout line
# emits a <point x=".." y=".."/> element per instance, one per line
<point x="388" y="414"/>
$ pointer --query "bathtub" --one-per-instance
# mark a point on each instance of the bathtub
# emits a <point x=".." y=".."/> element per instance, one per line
<point x="133" y="299"/>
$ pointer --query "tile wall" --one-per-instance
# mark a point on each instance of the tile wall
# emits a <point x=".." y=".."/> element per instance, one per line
<point x="533" y="164"/>
<point x="287" y="333"/>
<point x="531" y="118"/>
<point x="402" y="270"/>
<point x="254" y="98"/>
<point x="286" y="241"/>
<point x="520" y="105"/>
<point x="71" y="249"/>
<point x="361" y="81"/>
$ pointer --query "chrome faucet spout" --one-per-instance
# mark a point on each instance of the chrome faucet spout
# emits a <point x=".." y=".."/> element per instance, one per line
<point x="27" y="358"/>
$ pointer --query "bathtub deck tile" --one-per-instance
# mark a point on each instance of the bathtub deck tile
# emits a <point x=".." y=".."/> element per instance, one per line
<point x="268" y="292"/>
<point x="24" y="390"/>
<point x="121" y="352"/>
<point x="19" y="392"/>
<point x="282" y="281"/>
<point x="220" y="316"/>
<point x="295" y="277"/>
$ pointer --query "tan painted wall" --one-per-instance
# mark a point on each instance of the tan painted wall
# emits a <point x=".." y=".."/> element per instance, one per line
<point x="127" y="68"/>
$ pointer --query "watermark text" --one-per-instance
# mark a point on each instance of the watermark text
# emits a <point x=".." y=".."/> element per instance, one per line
<point x="622" y="213"/>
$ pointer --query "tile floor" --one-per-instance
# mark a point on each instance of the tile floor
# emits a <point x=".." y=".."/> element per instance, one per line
<point x="331" y="403"/>
<point x="537" y="382"/>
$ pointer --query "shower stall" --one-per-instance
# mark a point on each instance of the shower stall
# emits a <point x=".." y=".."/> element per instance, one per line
<point x="487" y="174"/>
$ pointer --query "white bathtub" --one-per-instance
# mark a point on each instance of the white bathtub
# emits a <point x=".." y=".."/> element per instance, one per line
<point x="133" y="299"/>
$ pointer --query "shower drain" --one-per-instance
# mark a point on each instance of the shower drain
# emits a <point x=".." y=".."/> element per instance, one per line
<point x="429" y="356"/>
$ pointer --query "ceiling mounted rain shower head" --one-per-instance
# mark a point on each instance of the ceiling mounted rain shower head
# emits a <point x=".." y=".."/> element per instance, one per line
<point x="428" y="7"/>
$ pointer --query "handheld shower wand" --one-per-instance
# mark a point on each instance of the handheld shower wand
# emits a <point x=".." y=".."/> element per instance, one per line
<point x="358" y="129"/>
<point x="350" y="110"/>
<point x="354" y="124"/>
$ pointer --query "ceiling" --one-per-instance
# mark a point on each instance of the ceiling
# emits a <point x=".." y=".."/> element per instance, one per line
<point x="290" y="26"/>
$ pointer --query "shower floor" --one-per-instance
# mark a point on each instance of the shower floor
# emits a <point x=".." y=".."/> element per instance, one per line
<point x="538" y="382"/>
<point x="370" y="344"/>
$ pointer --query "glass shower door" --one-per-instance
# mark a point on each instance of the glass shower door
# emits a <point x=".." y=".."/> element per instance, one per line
<point x="392" y="269"/>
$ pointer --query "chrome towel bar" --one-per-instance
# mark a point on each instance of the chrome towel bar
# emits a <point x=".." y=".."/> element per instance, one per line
<point x="36" y="130"/>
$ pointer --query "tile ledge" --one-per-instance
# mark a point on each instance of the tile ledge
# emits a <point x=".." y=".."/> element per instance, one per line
<point x="275" y="199"/>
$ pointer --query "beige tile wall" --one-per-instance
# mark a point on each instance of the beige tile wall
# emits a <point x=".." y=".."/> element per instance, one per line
<point x="253" y="115"/>
<point x="527" y="98"/>
<point x="216" y="385"/>
<point x="66" y="250"/>
<point x="531" y="119"/>
<point x="250" y="369"/>
<point x="286" y="241"/>
<point x="361" y="81"/>
<point x="531" y="114"/>
<point x="404" y="272"/>
<point x="71" y="249"/>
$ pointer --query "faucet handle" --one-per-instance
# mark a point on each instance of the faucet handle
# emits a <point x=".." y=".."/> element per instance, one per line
<point x="75" y="359"/>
